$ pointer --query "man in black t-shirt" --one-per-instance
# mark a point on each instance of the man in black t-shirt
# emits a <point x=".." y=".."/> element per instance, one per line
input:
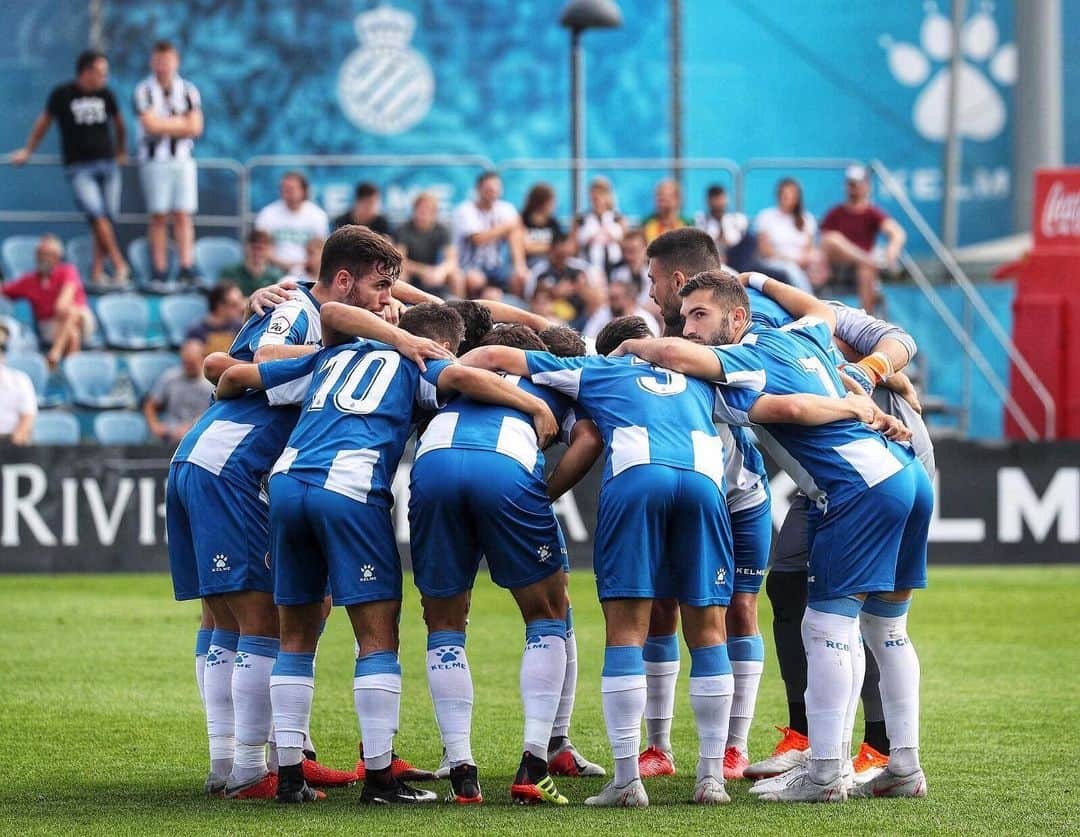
<point x="430" y="256"/>
<point x="83" y="109"/>
<point x="366" y="211"/>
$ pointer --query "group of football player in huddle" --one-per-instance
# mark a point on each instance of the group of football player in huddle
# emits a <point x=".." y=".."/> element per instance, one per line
<point x="279" y="505"/>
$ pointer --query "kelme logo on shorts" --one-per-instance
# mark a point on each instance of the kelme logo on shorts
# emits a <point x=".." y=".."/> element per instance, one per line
<point x="221" y="564"/>
<point x="543" y="552"/>
<point x="721" y="576"/>
<point x="367" y="573"/>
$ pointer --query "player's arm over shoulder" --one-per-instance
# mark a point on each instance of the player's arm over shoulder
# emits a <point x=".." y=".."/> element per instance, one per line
<point x="483" y="385"/>
<point x="809" y="409"/>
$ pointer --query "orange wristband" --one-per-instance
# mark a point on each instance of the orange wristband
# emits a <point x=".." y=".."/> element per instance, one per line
<point x="877" y="366"/>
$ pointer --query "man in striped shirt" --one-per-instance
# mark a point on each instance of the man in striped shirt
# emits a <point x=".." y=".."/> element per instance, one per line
<point x="170" y="118"/>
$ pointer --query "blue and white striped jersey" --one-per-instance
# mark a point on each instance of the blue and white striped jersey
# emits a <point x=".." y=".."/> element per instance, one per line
<point x="831" y="463"/>
<point x="474" y="425"/>
<point x="359" y="405"/>
<point x="646" y="414"/>
<point x="744" y="469"/>
<point x="239" y="439"/>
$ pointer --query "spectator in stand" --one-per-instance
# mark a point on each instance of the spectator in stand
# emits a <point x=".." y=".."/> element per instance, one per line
<point x="634" y="268"/>
<point x="573" y="283"/>
<point x="430" y="256"/>
<point x="367" y="203"/>
<point x="57" y="297"/>
<point x="255" y="271"/>
<point x="217" y="330"/>
<point x="292" y="221"/>
<point x="83" y="109"/>
<point x="622" y="302"/>
<point x="727" y="229"/>
<point x="599" y="231"/>
<point x="785" y="239"/>
<point x="487" y="230"/>
<point x="170" y="119"/>
<point x="667" y="208"/>
<point x="179" y="396"/>
<point x="18" y="401"/>
<point x="849" y="233"/>
<point x="309" y="270"/>
<point x="539" y="222"/>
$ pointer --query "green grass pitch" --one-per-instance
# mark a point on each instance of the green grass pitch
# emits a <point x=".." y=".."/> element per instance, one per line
<point x="104" y="733"/>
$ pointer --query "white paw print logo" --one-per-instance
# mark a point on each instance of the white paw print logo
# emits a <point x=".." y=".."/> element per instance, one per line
<point x="721" y="576"/>
<point x="543" y="552"/>
<point x="221" y="563"/>
<point x="367" y="573"/>
<point x="982" y="112"/>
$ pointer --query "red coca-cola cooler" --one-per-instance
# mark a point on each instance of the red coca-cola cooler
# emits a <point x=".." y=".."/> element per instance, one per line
<point x="1046" y="310"/>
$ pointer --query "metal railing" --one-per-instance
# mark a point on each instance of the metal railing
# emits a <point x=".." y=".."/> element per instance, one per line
<point x="235" y="221"/>
<point x="665" y="164"/>
<point x="978" y="304"/>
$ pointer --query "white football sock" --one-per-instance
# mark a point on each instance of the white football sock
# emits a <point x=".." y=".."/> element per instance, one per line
<point x="543" y="668"/>
<point x="622" y="688"/>
<point x="858" y="672"/>
<point x="217" y="692"/>
<point x="451" y="686"/>
<point x="561" y="727"/>
<point x="826" y="639"/>
<point x="202" y="645"/>
<point x="377" y="696"/>
<point x="255" y="657"/>
<point x="884" y="626"/>
<point x="747" y="655"/>
<point x="711" y="689"/>
<point x="292" y="689"/>
<point x="661" y="656"/>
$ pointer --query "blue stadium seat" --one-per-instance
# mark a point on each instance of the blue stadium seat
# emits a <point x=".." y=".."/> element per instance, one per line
<point x="138" y="253"/>
<point x="181" y="312"/>
<point x="121" y="427"/>
<point x="17" y="253"/>
<point x="215" y="253"/>
<point x="34" y="365"/>
<point x="147" y="367"/>
<point x="55" y="427"/>
<point x="92" y="379"/>
<point x="126" y="320"/>
<point x="20" y="338"/>
<point x="80" y="252"/>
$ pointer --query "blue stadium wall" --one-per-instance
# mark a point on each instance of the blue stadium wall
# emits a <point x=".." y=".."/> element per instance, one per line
<point x="783" y="78"/>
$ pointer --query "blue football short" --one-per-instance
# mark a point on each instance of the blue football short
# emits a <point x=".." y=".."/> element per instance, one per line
<point x="663" y="532"/>
<point x="219" y="535"/>
<point x="752" y="532"/>
<point x="875" y="542"/>
<point x="468" y="504"/>
<point x="319" y="536"/>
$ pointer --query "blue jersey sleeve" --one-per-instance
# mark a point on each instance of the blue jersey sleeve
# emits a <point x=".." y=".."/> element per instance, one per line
<point x="562" y="374"/>
<point x="287" y="381"/>
<point x="814" y="330"/>
<point x="287" y="326"/>
<point x="427" y="392"/>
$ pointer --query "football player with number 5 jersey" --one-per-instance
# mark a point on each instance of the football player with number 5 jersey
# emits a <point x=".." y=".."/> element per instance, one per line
<point x="663" y="531"/>
<point x="869" y="547"/>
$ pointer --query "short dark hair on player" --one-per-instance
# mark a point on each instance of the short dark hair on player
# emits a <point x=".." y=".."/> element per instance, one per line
<point x="216" y="295"/>
<point x="724" y="287"/>
<point x="434" y="321"/>
<point x="365" y="189"/>
<point x="477" y="319"/>
<point x="514" y="335"/>
<point x="686" y="249"/>
<point x="86" y="60"/>
<point x="357" y="249"/>
<point x="563" y="341"/>
<point x="614" y="333"/>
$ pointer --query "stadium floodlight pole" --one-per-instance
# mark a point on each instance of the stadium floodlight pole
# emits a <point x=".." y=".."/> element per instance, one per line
<point x="949" y="216"/>
<point x="1038" y="133"/>
<point x="577" y="16"/>
<point x="676" y="90"/>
